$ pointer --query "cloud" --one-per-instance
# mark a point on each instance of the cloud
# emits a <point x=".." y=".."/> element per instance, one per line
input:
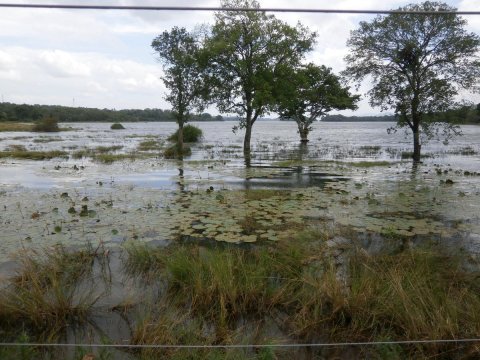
<point x="62" y="64"/>
<point x="104" y="58"/>
<point x="93" y="79"/>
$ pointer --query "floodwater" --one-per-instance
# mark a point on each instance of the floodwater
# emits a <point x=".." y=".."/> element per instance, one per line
<point x="272" y="141"/>
<point x="353" y="178"/>
<point x="333" y="178"/>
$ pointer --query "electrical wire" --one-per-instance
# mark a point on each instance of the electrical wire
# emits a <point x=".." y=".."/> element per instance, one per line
<point x="242" y="346"/>
<point x="216" y="8"/>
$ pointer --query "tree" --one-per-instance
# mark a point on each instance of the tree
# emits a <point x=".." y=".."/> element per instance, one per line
<point x="244" y="51"/>
<point x="309" y="92"/>
<point x="177" y="50"/>
<point x="417" y="64"/>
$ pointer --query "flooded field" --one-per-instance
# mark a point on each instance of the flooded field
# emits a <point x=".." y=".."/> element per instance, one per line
<point x="353" y="186"/>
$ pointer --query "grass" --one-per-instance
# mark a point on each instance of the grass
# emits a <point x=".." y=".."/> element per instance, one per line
<point x="225" y="294"/>
<point x="15" y="126"/>
<point x="368" y="164"/>
<point x="409" y="155"/>
<point x="149" y="145"/>
<point x="49" y="292"/>
<point x="173" y="152"/>
<point x="409" y="295"/>
<point x="20" y="152"/>
<point x="102" y="154"/>
<point x="47" y="139"/>
<point x="191" y="134"/>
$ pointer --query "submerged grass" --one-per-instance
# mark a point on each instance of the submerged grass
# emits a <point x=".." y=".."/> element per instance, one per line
<point x="25" y="154"/>
<point x="149" y="145"/>
<point x="225" y="294"/>
<point x="15" y="126"/>
<point x="411" y="295"/>
<point x="48" y="292"/>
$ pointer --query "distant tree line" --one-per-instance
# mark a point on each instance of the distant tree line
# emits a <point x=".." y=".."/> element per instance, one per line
<point x="466" y="114"/>
<point x="27" y="113"/>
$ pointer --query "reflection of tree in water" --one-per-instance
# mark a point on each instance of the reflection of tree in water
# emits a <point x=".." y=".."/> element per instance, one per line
<point x="181" y="179"/>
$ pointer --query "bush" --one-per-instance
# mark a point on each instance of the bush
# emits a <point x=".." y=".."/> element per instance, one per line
<point x="117" y="126"/>
<point x="47" y="124"/>
<point x="174" y="152"/>
<point x="191" y="134"/>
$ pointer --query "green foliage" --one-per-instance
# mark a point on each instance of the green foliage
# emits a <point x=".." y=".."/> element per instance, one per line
<point x="28" y="113"/>
<point x="47" y="124"/>
<point x="242" y="55"/>
<point x="117" y="126"/>
<point x="174" y="152"/>
<point x="308" y="92"/>
<point x="191" y="134"/>
<point x="32" y="155"/>
<point x="49" y="291"/>
<point x="178" y="52"/>
<point x="418" y="64"/>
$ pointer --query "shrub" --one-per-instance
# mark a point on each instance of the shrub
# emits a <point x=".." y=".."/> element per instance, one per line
<point x="174" y="152"/>
<point x="117" y="126"/>
<point x="47" y="124"/>
<point x="191" y="134"/>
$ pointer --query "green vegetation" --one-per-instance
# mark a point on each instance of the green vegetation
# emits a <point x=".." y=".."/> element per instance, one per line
<point x="396" y="297"/>
<point x="227" y="294"/>
<point x="117" y="126"/>
<point x="173" y="152"/>
<point x="309" y="92"/>
<point x="178" y="50"/>
<point x="418" y="64"/>
<point x="245" y="70"/>
<point x="149" y="145"/>
<point x="15" y="126"/>
<point x="191" y="134"/>
<point x="49" y="292"/>
<point x="46" y="124"/>
<point x="20" y="152"/>
<point x="29" y="113"/>
<point x="367" y="164"/>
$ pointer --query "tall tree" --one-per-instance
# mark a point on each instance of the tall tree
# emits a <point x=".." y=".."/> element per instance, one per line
<point x="417" y="64"/>
<point x="177" y="50"/>
<point x="245" y="50"/>
<point x="309" y="92"/>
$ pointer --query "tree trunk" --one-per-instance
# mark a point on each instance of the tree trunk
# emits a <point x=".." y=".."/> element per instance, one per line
<point x="246" y="142"/>
<point x="416" y="145"/>
<point x="180" y="139"/>
<point x="303" y="134"/>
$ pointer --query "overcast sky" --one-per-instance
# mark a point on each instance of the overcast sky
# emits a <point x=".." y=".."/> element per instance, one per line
<point x="103" y="58"/>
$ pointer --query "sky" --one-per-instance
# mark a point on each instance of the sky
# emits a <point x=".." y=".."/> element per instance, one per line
<point x="104" y="59"/>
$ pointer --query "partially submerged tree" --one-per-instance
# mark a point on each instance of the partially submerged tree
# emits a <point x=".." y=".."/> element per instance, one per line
<point x="244" y="51"/>
<point x="309" y="92"/>
<point x="177" y="50"/>
<point x="417" y="63"/>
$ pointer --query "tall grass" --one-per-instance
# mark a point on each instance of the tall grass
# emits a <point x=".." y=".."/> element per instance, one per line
<point x="49" y="292"/>
<point x="413" y="295"/>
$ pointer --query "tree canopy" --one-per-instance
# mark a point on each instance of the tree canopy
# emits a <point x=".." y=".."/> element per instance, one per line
<point x="178" y="50"/>
<point x="308" y="92"/>
<point x="417" y="63"/>
<point x="244" y="51"/>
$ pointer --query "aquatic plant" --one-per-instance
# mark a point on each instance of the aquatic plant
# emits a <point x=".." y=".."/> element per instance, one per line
<point x="49" y="291"/>
<point x="46" y="124"/>
<point x="191" y="134"/>
<point x="117" y="126"/>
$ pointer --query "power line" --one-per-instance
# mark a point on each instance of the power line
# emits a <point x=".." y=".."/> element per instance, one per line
<point x="242" y="346"/>
<point x="215" y="8"/>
